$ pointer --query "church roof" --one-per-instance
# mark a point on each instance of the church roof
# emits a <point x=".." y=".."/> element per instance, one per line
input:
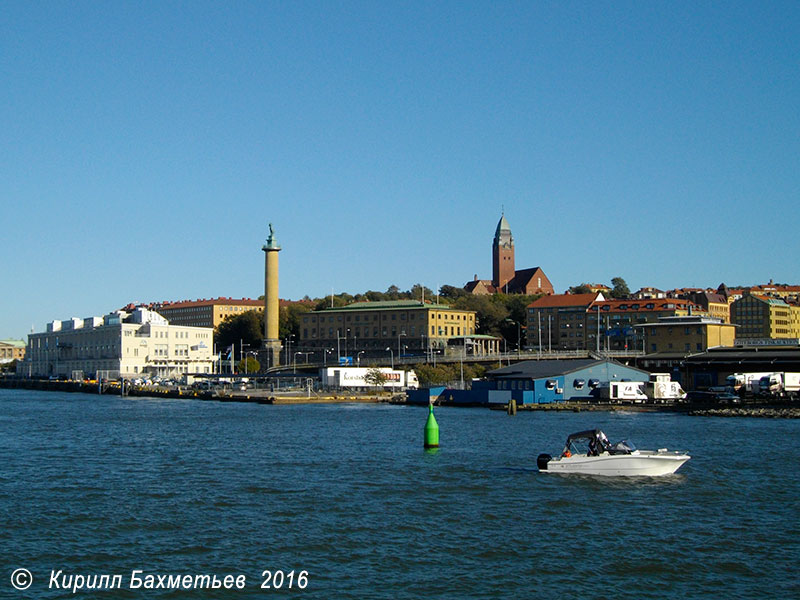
<point x="502" y="225"/>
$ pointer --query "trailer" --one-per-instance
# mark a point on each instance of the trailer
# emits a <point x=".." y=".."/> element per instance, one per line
<point x="661" y="388"/>
<point x="779" y="385"/>
<point x="357" y="378"/>
<point x="745" y="383"/>
<point x="627" y="391"/>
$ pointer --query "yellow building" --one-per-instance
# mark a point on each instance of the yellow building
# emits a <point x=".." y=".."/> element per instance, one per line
<point x="205" y="313"/>
<point x="401" y="326"/>
<point x="11" y="350"/>
<point x="714" y="304"/>
<point x="687" y="334"/>
<point x="761" y="317"/>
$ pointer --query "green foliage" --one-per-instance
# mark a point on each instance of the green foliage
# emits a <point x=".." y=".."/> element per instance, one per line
<point x="247" y="328"/>
<point x="498" y="314"/>
<point x="376" y="377"/>
<point x="442" y="374"/>
<point x="290" y="318"/>
<point x="451" y="292"/>
<point x="392" y="293"/>
<point x="580" y="289"/>
<point x="249" y="365"/>
<point x="620" y="288"/>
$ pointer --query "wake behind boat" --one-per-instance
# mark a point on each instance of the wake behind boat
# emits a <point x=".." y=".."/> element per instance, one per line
<point x="590" y="453"/>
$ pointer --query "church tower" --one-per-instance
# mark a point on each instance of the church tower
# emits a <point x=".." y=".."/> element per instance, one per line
<point x="502" y="255"/>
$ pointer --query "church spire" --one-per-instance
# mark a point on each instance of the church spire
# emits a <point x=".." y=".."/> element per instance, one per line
<point x="502" y="255"/>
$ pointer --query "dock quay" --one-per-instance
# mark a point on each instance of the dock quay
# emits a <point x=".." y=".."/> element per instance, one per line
<point x="257" y="396"/>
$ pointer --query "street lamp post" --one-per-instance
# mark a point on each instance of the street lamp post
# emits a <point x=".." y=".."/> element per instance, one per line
<point x="392" y="353"/>
<point x="519" y="335"/>
<point x="358" y="358"/>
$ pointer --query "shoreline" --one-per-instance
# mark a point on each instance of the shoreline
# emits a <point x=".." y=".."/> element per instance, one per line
<point x="784" y="410"/>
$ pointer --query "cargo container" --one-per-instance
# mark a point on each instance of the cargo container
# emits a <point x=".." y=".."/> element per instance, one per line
<point x="356" y="378"/>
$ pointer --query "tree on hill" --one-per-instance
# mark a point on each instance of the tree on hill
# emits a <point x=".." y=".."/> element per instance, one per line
<point x="620" y="288"/>
<point x="451" y="292"/>
<point x="580" y="289"/>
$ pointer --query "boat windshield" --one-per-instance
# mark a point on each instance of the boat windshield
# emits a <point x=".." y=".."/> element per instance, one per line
<point x="622" y="447"/>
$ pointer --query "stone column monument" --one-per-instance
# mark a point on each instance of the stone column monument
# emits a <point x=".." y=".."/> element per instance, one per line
<point x="272" y="342"/>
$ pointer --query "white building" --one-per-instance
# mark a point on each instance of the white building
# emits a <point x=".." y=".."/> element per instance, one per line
<point x="121" y="344"/>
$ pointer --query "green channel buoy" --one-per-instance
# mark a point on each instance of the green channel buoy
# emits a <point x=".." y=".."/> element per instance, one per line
<point x="431" y="430"/>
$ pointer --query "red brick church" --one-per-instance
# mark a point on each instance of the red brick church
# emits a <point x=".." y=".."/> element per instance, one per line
<point x="505" y="279"/>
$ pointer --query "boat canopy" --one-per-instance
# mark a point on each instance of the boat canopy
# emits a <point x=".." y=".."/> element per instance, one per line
<point x="589" y="435"/>
<point x="598" y="442"/>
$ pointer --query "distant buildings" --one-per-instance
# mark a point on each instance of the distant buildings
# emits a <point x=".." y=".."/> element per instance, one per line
<point x="121" y="344"/>
<point x="204" y="313"/>
<point x="11" y="350"/>
<point x="401" y="327"/>
<point x="765" y="317"/>
<point x="590" y="322"/>
<point x="686" y="334"/>
<point x="505" y="278"/>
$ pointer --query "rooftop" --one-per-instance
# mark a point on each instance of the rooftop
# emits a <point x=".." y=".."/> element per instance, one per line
<point x="393" y="304"/>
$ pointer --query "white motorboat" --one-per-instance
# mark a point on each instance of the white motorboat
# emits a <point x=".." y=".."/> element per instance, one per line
<point x="604" y="458"/>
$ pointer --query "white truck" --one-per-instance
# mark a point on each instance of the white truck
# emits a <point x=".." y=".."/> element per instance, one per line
<point x="356" y="378"/>
<point x="779" y="385"/>
<point x="745" y="383"/>
<point x="628" y="391"/>
<point x="661" y="388"/>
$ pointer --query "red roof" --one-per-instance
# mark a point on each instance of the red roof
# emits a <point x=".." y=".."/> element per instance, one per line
<point x="562" y="300"/>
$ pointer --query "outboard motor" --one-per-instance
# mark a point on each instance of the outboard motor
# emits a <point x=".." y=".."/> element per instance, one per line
<point x="542" y="460"/>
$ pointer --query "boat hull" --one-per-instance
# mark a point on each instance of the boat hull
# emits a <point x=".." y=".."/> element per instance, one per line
<point x="640" y="463"/>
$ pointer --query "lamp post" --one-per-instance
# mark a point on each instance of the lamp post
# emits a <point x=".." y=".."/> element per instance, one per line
<point x="398" y="344"/>
<point x="519" y="335"/>
<point x="358" y="358"/>
<point x="241" y="353"/>
<point x="392" y="352"/>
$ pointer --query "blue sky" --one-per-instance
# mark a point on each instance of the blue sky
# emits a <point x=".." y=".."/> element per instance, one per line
<point x="147" y="145"/>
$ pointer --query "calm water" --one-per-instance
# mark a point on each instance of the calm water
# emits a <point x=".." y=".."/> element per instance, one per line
<point x="95" y="485"/>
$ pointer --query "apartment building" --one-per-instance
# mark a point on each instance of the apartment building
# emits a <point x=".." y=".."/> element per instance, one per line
<point x="686" y="334"/>
<point x="205" y="312"/>
<point x="120" y="344"/>
<point x="591" y="322"/>
<point x="765" y="317"/>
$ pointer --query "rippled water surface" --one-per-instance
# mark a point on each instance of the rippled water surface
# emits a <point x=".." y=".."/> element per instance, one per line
<point x="96" y="485"/>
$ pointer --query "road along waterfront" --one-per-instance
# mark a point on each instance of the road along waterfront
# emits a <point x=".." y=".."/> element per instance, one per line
<point x="346" y="493"/>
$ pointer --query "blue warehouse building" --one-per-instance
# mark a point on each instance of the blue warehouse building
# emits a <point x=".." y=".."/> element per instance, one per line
<point x="545" y="381"/>
<point x="535" y="382"/>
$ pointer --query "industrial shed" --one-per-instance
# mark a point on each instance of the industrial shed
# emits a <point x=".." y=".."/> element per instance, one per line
<point x="545" y="381"/>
